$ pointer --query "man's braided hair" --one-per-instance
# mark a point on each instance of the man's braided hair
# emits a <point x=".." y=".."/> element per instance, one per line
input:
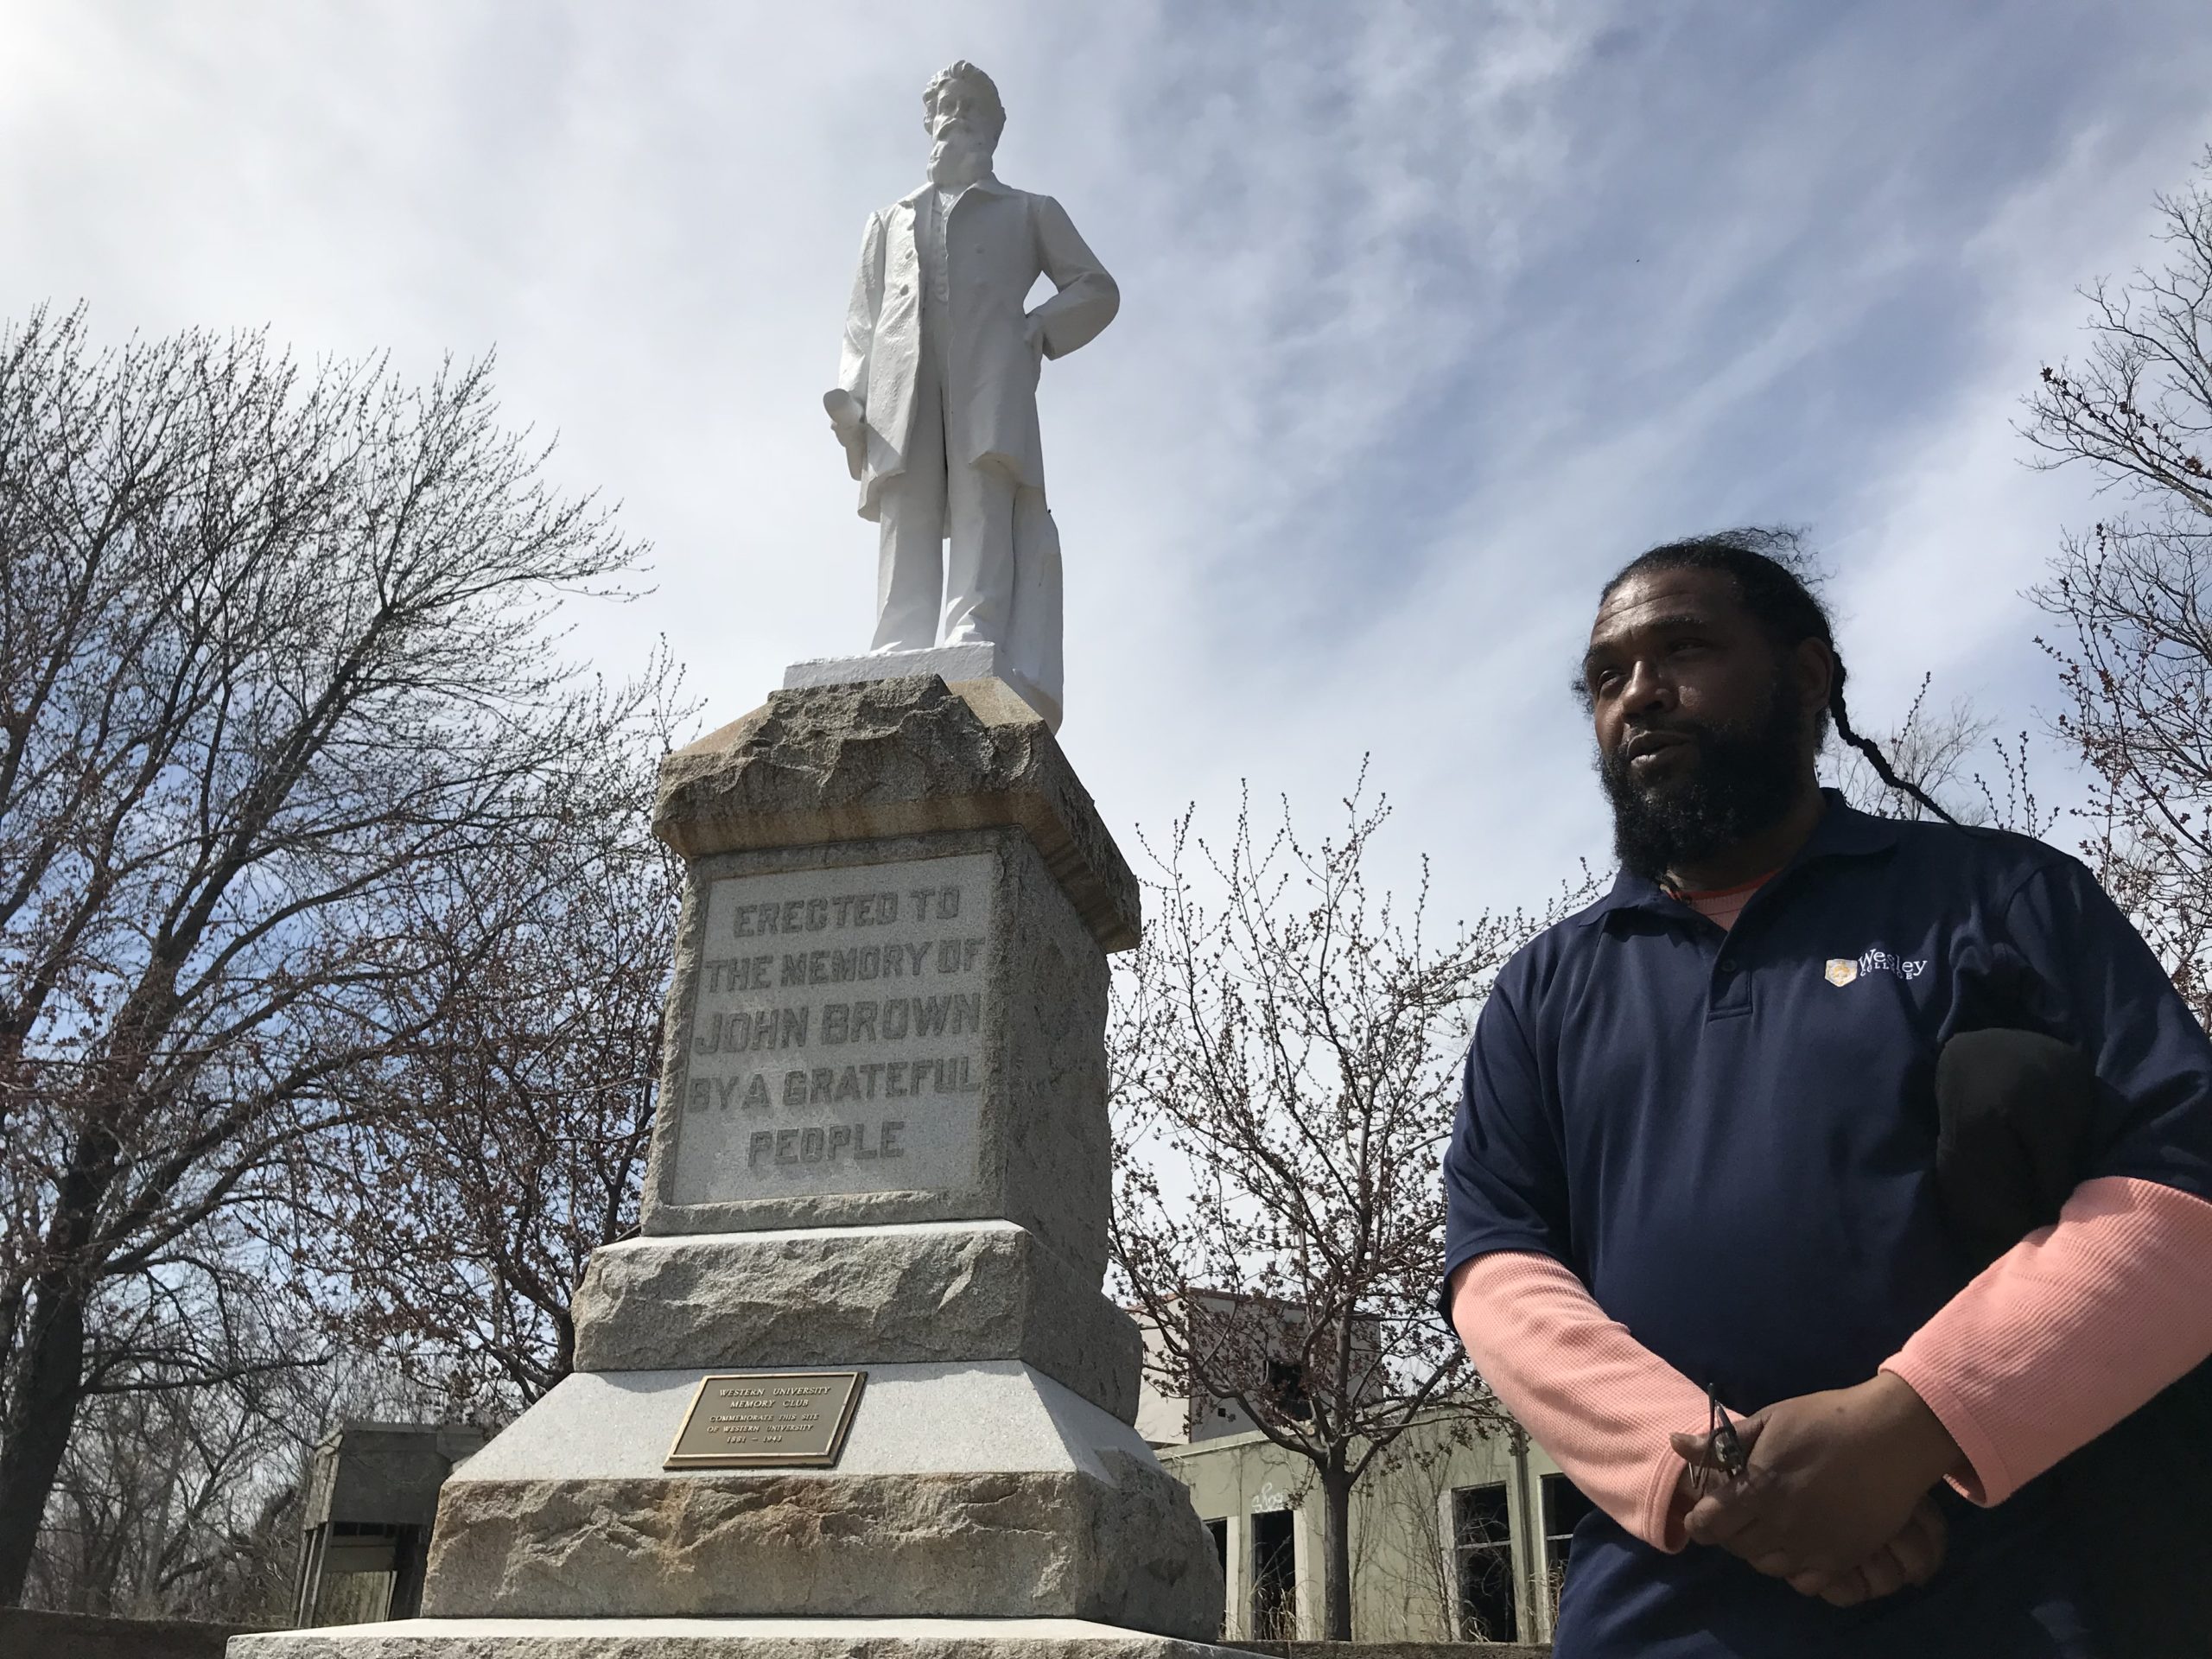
<point x="1767" y="566"/>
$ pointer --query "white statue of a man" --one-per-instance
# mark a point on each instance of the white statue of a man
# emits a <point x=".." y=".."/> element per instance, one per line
<point x="935" y="399"/>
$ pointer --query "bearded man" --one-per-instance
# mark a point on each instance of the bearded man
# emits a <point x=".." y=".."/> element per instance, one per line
<point x="936" y="400"/>
<point x="1692" y="1183"/>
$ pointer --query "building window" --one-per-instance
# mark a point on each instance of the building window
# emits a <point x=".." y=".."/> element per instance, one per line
<point x="1287" y="1388"/>
<point x="1564" y="1507"/>
<point x="1274" y="1577"/>
<point x="356" y="1571"/>
<point x="1482" y="1564"/>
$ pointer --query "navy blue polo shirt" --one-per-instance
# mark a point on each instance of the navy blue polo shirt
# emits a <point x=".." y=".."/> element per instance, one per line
<point x="1731" y="1137"/>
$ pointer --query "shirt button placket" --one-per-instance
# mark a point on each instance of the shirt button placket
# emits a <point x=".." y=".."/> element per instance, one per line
<point x="1731" y="992"/>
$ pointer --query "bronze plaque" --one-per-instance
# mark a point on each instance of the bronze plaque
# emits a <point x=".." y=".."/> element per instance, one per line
<point x="767" y="1419"/>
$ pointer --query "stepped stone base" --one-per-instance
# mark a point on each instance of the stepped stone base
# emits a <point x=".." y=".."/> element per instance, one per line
<point x="842" y="1296"/>
<point x="722" y="1638"/>
<point x="964" y="1490"/>
<point x="991" y="1496"/>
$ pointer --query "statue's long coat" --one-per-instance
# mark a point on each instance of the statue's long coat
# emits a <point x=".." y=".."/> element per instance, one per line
<point x="998" y="241"/>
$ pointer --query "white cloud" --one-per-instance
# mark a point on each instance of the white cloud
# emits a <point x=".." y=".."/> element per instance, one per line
<point x="1432" y="315"/>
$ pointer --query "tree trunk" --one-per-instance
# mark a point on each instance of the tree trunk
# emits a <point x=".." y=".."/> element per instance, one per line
<point x="42" y="1409"/>
<point x="1336" y="1493"/>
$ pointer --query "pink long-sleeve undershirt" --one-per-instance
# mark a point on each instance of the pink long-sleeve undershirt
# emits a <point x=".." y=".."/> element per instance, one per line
<point x="2067" y="1332"/>
<point x="1592" y="1395"/>
<point x="2060" y="1338"/>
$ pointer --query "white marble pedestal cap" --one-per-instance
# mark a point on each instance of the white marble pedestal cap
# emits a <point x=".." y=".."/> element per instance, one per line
<point x="957" y="665"/>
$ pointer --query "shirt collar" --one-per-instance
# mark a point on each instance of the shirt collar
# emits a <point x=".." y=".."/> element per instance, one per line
<point x="988" y="184"/>
<point x="1843" y="832"/>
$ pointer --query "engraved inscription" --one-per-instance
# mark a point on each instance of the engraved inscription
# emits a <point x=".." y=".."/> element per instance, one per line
<point x="834" y="1043"/>
<point x="754" y="1420"/>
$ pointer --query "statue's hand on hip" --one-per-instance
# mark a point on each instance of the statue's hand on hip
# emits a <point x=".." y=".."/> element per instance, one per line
<point x="850" y="424"/>
<point x="1032" y="335"/>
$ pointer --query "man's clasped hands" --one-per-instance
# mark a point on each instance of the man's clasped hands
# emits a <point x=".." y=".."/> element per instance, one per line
<point x="1835" y="1493"/>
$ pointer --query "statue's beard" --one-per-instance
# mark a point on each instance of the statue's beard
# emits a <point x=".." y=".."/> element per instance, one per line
<point x="958" y="156"/>
<point x="1745" y="781"/>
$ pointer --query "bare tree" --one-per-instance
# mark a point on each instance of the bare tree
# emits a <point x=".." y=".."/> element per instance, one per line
<point x="513" y="1140"/>
<point x="173" y="1501"/>
<point x="185" y="1502"/>
<point x="273" y="663"/>
<point x="1284" y="1082"/>
<point x="1404" y="1552"/>
<point x="1936" y="752"/>
<point x="2135" y="593"/>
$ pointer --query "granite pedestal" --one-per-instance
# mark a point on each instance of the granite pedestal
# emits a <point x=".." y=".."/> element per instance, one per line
<point x="881" y="1146"/>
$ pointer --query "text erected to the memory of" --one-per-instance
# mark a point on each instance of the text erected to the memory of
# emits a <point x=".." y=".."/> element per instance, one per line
<point x="836" y="1038"/>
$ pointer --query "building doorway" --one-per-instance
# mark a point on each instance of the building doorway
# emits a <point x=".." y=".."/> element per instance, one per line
<point x="1274" y="1576"/>
<point x="1482" y="1561"/>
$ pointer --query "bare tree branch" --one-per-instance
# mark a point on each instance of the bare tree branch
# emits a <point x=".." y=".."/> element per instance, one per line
<point x="2135" y="661"/>
<point x="1282" y="1061"/>
<point x="274" y="685"/>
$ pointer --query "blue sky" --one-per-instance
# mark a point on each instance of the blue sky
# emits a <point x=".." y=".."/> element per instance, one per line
<point x="1434" y="314"/>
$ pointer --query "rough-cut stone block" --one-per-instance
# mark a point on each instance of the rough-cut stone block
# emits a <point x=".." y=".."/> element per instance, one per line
<point x="1012" y="1122"/>
<point x="945" y="1291"/>
<point x="964" y="1489"/>
<point x="722" y="1638"/>
<point x="724" y="1544"/>
<point x="821" y="765"/>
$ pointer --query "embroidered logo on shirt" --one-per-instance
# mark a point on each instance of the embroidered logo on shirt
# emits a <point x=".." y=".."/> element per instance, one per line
<point x="1843" y="970"/>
